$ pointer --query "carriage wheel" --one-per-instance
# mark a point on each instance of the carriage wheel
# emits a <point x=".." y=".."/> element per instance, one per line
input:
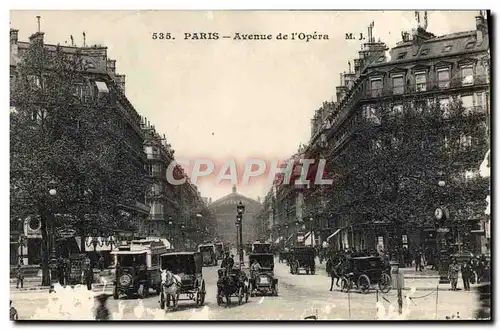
<point x="313" y="270"/>
<point x="344" y="285"/>
<point x="115" y="293"/>
<point x="162" y="300"/>
<point x="202" y="293"/>
<point x="240" y="295"/>
<point x="307" y="271"/>
<point x="364" y="283"/>
<point x="384" y="283"/>
<point x="168" y="299"/>
<point x="197" y="299"/>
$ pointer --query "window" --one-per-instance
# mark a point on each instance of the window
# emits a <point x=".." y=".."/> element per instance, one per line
<point x="148" y="150"/>
<point x="470" y="45"/>
<point x="446" y="49"/>
<point x="156" y="189"/>
<point x="402" y="55"/>
<point x="102" y="87"/>
<point x="444" y="105"/>
<point x="420" y="81"/>
<point x="156" y="209"/>
<point x="156" y="170"/>
<point x="397" y="109"/>
<point x="34" y="81"/>
<point x="149" y="169"/>
<point x="465" y="141"/>
<point x="398" y="86"/>
<point x="479" y="100"/>
<point x="424" y="52"/>
<point x="443" y="78"/>
<point x="371" y="114"/>
<point x="468" y="103"/>
<point x="467" y="75"/>
<point x="376" y="87"/>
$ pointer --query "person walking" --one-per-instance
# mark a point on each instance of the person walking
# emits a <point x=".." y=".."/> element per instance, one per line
<point x="453" y="274"/>
<point x="466" y="275"/>
<point x="19" y="276"/>
<point x="418" y="261"/>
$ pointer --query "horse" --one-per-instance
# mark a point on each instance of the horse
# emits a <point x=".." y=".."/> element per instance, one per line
<point x="333" y="268"/>
<point x="226" y="286"/>
<point x="171" y="287"/>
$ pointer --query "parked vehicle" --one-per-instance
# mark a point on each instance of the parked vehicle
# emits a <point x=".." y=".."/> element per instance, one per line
<point x="302" y="257"/>
<point x="362" y="272"/>
<point x="137" y="268"/>
<point x="263" y="280"/>
<point x="187" y="267"/>
<point x="207" y="251"/>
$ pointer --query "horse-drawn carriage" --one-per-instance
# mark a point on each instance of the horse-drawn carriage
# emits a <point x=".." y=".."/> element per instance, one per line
<point x="232" y="283"/>
<point x="362" y="272"/>
<point x="182" y="274"/>
<point x="263" y="280"/>
<point x="207" y="251"/>
<point x="302" y="257"/>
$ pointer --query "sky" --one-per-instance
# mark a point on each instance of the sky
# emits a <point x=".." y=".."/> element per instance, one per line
<point x="230" y="99"/>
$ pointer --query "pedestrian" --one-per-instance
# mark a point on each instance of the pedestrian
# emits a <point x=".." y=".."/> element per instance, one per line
<point x="13" y="312"/>
<point x="67" y="270"/>
<point x="418" y="261"/>
<point x="453" y="274"/>
<point x="89" y="276"/>
<point x="102" y="311"/>
<point x="101" y="263"/>
<point x="19" y="276"/>
<point x="466" y="274"/>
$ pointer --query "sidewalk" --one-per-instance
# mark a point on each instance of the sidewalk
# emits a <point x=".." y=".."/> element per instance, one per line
<point x="95" y="286"/>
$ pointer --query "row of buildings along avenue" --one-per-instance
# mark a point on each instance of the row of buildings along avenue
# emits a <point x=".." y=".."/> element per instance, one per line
<point x="95" y="202"/>
<point x="381" y="87"/>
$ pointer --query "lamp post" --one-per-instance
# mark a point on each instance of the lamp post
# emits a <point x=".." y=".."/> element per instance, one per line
<point x="240" y="209"/>
<point x="170" y="233"/>
<point x="441" y="214"/>
<point x="285" y="239"/>
<point x="183" y="235"/>
<point x="51" y="239"/>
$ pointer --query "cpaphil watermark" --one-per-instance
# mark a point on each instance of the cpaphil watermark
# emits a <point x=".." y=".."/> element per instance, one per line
<point x="293" y="172"/>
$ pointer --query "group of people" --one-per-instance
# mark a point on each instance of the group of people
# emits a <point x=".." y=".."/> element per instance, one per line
<point x="474" y="270"/>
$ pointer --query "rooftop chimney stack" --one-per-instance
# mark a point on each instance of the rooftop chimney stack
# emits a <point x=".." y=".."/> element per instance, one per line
<point x="14" y="35"/>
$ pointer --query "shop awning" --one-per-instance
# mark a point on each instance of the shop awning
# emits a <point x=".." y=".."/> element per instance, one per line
<point x="335" y="233"/>
<point x="289" y="238"/>
<point x="89" y="247"/>
<point x="167" y="243"/>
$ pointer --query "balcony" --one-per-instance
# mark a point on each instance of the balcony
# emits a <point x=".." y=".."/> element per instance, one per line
<point x="432" y="85"/>
<point x="155" y="156"/>
<point x="156" y="217"/>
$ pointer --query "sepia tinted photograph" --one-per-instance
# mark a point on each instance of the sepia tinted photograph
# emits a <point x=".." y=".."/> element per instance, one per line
<point x="248" y="165"/>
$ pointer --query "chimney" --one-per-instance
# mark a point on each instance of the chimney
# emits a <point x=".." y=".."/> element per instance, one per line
<point x="111" y="65"/>
<point x="13" y="36"/>
<point x="37" y="37"/>
<point x="234" y="189"/>
<point x="482" y="28"/>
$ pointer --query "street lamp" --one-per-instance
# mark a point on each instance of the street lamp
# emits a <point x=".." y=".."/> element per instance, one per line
<point x="286" y="234"/>
<point x="94" y="241"/>
<point x="240" y="209"/>
<point x="51" y="240"/>
<point x="441" y="214"/>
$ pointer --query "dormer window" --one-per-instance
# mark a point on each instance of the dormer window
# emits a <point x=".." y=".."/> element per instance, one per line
<point x="424" y="52"/>
<point x="402" y="55"/>
<point x="446" y="49"/>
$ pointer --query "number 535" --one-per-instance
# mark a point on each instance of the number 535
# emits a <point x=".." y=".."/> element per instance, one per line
<point x="161" y="35"/>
